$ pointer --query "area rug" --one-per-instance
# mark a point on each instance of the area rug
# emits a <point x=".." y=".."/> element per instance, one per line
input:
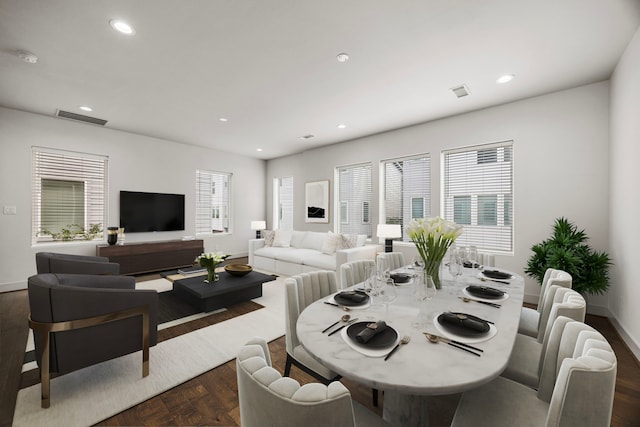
<point x="90" y="395"/>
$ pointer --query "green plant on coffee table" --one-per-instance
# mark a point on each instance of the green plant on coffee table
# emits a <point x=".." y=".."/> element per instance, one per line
<point x="210" y="261"/>
<point x="567" y="250"/>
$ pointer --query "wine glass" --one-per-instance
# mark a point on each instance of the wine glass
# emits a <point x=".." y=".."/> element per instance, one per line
<point x="420" y="293"/>
<point x="456" y="265"/>
<point x="472" y="257"/>
<point x="388" y="294"/>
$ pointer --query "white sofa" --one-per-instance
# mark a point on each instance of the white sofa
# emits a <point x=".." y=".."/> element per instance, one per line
<point x="306" y="251"/>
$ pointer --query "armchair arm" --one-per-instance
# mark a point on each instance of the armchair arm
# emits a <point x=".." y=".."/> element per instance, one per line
<point x="253" y="245"/>
<point x="63" y="265"/>
<point x="96" y="281"/>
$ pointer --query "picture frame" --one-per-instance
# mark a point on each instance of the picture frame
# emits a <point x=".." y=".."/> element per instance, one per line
<point x="317" y="201"/>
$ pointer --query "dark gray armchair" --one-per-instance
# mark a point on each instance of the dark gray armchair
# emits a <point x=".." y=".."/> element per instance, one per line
<point x="50" y="262"/>
<point x="80" y="320"/>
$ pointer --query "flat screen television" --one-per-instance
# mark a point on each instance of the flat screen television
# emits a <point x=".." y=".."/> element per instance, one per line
<point x="147" y="212"/>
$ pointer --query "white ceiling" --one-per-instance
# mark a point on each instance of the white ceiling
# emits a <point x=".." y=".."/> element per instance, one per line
<point x="270" y="66"/>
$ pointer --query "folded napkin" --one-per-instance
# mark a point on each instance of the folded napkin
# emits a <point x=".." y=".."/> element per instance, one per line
<point x="371" y="331"/>
<point x="496" y="274"/>
<point x="467" y="264"/>
<point x="400" y="277"/>
<point x="352" y="296"/>
<point x="484" y="291"/>
<point x="463" y="321"/>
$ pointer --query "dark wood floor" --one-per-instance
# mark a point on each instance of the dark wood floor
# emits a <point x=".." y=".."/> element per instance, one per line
<point x="211" y="398"/>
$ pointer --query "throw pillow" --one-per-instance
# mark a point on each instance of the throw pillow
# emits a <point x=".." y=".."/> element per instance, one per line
<point x="347" y="241"/>
<point x="282" y="239"/>
<point x="268" y="237"/>
<point x="330" y="243"/>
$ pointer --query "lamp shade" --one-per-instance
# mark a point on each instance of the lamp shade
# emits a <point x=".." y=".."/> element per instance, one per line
<point x="389" y="231"/>
<point x="258" y="225"/>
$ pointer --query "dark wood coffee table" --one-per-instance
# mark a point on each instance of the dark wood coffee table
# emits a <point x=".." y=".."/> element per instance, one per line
<point x="228" y="290"/>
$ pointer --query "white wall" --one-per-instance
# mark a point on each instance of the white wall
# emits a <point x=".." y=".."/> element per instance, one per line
<point x="560" y="165"/>
<point x="136" y="163"/>
<point x="625" y="203"/>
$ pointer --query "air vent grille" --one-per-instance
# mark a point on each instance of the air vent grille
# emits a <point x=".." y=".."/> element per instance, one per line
<point x="80" y="117"/>
<point x="460" y="91"/>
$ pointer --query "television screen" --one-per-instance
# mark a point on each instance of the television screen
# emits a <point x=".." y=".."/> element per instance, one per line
<point x="146" y="212"/>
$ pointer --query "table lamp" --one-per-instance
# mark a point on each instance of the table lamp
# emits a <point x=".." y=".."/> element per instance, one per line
<point x="389" y="232"/>
<point x="258" y="225"/>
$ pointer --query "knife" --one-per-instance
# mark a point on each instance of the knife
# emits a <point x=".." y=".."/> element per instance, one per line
<point x="347" y="324"/>
<point x="496" y="280"/>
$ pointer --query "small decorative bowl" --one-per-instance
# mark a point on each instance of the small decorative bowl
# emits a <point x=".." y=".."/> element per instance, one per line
<point x="238" y="269"/>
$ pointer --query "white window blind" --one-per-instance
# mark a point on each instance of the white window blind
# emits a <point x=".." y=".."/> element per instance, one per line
<point x="68" y="191"/>
<point x="478" y="193"/>
<point x="284" y="201"/>
<point x="213" y="202"/>
<point x="407" y="190"/>
<point x="354" y="196"/>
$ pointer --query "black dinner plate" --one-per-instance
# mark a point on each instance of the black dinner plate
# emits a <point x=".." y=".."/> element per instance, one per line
<point x="495" y="274"/>
<point x="460" y="329"/>
<point x="400" y="277"/>
<point x="380" y="340"/>
<point x="349" y="303"/>
<point x="484" y="292"/>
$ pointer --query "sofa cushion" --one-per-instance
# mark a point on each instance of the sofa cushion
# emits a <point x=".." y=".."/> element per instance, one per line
<point x="296" y="256"/>
<point x="330" y="243"/>
<point x="268" y="237"/>
<point x="282" y="239"/>
<point x="347" y="241"/>
<point x="319" y="260"/>
<point x="282" y="254"/>
<point x="297" y="238"/>
<point x="314" y="240"/>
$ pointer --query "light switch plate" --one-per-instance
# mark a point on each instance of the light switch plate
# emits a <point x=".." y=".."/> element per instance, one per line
<point x="9" y="210"/>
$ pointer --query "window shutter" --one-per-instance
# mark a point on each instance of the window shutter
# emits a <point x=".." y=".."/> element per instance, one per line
<point x="68" y="188"/>
<point x="478" y="193"/>
<point x="213" y="202"/>
<point x="285" y="203"/>
<point x="407" y="190"/>
<point x="354" y="195"/>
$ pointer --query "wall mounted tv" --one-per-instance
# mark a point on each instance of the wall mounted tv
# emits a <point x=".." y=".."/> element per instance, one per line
<point x="146" y="212"/>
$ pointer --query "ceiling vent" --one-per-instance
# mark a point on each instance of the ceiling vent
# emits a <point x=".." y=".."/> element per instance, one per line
<point x="80" y="117"/>
<point x="307" y="136"/>
<point x="460" y="91"/>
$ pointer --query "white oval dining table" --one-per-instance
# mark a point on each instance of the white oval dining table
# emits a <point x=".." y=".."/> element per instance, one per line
<point x="420" y="368"/>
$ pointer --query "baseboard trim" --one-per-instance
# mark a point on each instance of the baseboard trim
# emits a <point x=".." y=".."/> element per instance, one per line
<point x="15" y="286"/>
<point x="628" y="339"/>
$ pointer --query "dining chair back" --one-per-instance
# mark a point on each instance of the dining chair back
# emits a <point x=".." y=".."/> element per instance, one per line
<point x="560" y="301"/>
<point x="300" y="291"/>
<point x="354" y="272"/>
<point x="530" y="318"/>
<point x="268" y="399"/>
<point x="391" y="260"/>
<point x="577" y="386"/>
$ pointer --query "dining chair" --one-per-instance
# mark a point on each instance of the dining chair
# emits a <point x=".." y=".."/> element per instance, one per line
<point x="576" y="388"/>
<point x="354" y="272"/>
<point x="392" y="260"/>
<point x="529" y="317"/>
<point x="300" y="291"/>
<point x="527" y="355"/>
<point x="269" y="399"/>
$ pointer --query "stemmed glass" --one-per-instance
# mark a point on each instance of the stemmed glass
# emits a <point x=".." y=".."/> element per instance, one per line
<point x="472" y="257"/>
<point x="388" y="294"/>
<point x="424" y="290"/>
<point x="456" y="264"/>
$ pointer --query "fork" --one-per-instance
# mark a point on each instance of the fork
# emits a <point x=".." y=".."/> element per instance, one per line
<point x="404" y="340"/>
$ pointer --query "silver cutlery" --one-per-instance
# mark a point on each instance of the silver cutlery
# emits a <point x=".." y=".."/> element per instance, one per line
<point x="492" y="304"/>
<point x="435" y="339"/>
<point x="343" y="326"/>
<point x="404" y="340"/>
<point x="337" y="305"/>
<point x="447" y="340"/>
<point x="486" y="279"/>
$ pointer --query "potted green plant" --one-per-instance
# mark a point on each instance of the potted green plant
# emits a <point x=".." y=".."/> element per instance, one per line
<point x="567" y="250"/>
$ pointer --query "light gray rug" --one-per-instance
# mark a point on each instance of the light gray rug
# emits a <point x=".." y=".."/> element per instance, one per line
<point x="92" y="394"/>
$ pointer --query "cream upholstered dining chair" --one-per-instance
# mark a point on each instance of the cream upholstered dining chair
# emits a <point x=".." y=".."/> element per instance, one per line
<point x="391" y="260"/>
<point x="268" y="399"/>
<point x="355" y="272"/>
<point x="576" y="388"/>
<point x="527" y="356"/>
<point x="529" y="317"/>
<point x="300" y="291"/>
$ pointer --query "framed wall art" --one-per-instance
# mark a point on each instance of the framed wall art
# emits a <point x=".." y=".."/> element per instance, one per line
<point x="317" y="201"/>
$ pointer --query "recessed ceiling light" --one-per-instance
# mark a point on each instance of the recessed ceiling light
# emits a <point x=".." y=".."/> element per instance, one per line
<point x="122" y="27"/>
<point x="223" y="119"/>
<point x="342" y="57"/>
<point x="505" y="78"/>
<point x="258" y="149"/>
<point x="85" y="108"/>
<point x="27" y="56"/>
<point x="342" y="126"/>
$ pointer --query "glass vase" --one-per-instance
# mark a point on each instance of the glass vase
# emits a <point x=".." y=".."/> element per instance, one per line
<point x="212" y="276"/>
<point x="432" y="268"/>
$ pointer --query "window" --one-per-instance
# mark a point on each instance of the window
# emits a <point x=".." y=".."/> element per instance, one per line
<point x="283" y="201"/>
<point x="477" y="193"/>
<point x="406" y="183"/>
<point x="68" y="194"/>
<point x="353" y="184"/>
<point x="213" y="202"/>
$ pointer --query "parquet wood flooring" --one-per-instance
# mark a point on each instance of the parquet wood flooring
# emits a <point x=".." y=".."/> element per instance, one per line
<point x="211" y="398"/>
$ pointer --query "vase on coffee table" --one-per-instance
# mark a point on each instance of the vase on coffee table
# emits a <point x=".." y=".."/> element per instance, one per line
<point x="211" y="261"/>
